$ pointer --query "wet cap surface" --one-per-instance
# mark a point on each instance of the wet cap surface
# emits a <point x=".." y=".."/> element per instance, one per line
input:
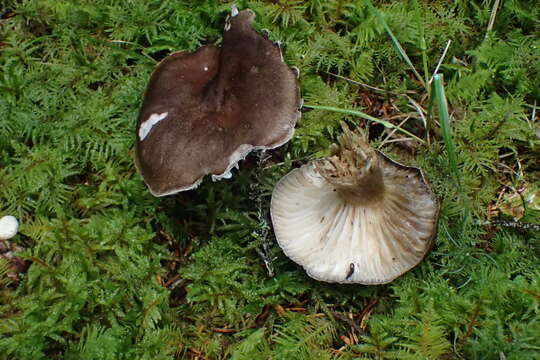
<point x="205" y="111"/>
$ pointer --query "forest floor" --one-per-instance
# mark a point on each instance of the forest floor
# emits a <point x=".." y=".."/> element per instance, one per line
<point x="113" y="272"/>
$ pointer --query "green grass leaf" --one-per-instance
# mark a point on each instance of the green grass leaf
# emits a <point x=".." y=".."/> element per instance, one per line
<point x="364" y="116"/>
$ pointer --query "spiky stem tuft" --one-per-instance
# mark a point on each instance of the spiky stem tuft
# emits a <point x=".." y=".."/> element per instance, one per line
<point x="353" y="169"/>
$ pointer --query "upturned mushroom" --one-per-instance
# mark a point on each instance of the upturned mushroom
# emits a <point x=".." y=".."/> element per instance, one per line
<point x="205" y="111"/>
<point x="356" y="216"/>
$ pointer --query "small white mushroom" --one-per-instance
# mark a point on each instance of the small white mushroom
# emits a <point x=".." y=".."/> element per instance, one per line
<point x="356" y="216"/>
<point x="8" y="227"/>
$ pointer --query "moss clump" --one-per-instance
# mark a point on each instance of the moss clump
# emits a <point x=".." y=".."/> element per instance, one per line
<point x="118" y="274"/>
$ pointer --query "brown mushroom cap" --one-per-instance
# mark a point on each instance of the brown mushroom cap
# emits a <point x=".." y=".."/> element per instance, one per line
<point x="205" y="111"/>
<point x="356" y="216"/>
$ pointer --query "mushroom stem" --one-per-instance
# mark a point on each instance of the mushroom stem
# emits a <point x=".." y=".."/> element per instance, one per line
<point x="354" y="171"/>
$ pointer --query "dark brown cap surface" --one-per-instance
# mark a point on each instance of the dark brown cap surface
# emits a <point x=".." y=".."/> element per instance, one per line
<point x="203" y="112"/>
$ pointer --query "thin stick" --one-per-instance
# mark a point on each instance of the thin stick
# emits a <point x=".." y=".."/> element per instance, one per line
<point x="399" y="140"/>
<point x="386" y="139"/>
<point x="506" y="155"/>
<point x="515" y="224"/>
<point x="532" y="106"/>
<point x="440" y="60"/>
<point x="533" y="115"/>
<point x="263" y="214"/>
<point x="419" y="110"/>
<point x="492" y="17"/>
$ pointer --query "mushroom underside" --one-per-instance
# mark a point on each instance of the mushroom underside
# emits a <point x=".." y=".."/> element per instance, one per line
<point x="336" y="241"/>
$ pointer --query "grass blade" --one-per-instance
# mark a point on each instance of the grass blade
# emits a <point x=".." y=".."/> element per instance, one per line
<point x="422" y="39"/>
<point x="442" y="106"/>
<point x="398" y="46"/>
<point x="364" y="116"/>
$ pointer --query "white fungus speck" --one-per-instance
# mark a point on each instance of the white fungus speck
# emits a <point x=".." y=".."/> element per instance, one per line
<point x="8" y="227"/>
<point x="147" y="125"/>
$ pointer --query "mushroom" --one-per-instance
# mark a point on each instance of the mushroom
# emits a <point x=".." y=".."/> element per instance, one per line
<point x="8" y="227"/>
<point x="205" y="111"/>
<point x="356" y="216"/>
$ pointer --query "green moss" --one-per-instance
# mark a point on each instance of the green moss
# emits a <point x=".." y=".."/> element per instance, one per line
<point x="117" y="274"/>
